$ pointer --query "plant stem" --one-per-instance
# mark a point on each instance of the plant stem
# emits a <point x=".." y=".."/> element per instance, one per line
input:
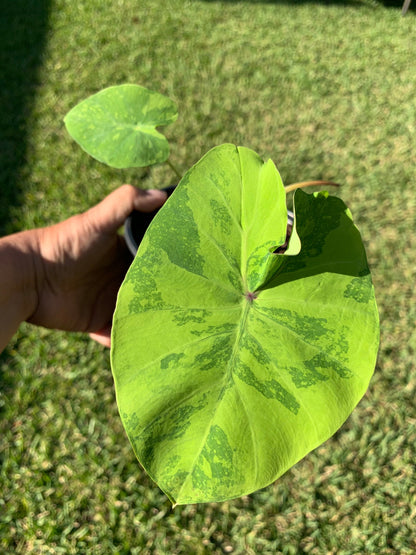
<point x="303" y="184"/>
<point x="172" y="167"/>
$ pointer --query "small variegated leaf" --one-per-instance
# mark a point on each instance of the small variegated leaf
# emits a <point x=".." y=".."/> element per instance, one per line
<point x="117" y="126"/>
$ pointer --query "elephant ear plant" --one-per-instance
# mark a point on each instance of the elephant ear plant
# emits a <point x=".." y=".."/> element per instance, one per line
<point x="235" y="351"/>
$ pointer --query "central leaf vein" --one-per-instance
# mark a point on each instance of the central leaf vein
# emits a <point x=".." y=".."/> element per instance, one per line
<point x="223" y="254"/>
<point x="227" y="379"/>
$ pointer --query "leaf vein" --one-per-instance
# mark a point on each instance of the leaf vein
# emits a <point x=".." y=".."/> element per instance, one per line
<point x="317" y="349"/>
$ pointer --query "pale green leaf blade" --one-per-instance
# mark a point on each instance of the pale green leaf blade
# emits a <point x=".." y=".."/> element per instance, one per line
<point x="117" y="125"/>
<point x="220" y="388"/>
<point x="263" y="214"/>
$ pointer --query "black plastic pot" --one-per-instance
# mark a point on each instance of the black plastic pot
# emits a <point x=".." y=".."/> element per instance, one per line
<point x="290" y="220"/>
<point x="136" y="224"/>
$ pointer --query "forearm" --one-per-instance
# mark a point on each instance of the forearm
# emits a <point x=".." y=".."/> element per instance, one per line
<point x="18" y="281"/>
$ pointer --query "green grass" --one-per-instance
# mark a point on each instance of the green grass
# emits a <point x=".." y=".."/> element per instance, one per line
<point x="327" y="90"/>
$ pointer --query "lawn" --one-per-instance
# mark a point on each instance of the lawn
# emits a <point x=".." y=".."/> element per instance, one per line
<point x="325" y="89"/>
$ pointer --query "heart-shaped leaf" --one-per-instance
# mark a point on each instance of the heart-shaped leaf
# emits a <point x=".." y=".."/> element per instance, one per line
<point x="232" y="362"/>
<point x="117" y="126"/>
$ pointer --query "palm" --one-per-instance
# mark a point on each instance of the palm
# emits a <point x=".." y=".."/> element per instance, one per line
<point x="84" y="261"/>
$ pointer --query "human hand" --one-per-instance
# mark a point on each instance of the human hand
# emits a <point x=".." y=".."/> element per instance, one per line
<point x="82" y="262"/>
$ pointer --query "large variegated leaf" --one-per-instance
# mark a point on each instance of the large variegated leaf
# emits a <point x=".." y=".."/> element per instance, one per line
<point x="117" y="126"/>
<point x="231" y="362"/>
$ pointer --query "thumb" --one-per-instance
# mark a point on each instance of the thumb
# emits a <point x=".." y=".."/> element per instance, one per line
<point x="110" y="213"/>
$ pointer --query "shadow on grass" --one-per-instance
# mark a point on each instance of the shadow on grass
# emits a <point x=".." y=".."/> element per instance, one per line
<point x="388" y="3"/>
<point x="23" y="33"/>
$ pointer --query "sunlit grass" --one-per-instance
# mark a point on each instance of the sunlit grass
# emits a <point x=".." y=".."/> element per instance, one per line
<point x="327" y="90"/>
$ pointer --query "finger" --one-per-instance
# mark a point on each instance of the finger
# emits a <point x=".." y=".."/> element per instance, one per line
<point x="111" y="212"/>
<point x="102" y="336"/>
<point x="150" y="200"/>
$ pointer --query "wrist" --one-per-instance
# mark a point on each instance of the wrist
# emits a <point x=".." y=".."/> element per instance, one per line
<point x="19" y="280"/>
